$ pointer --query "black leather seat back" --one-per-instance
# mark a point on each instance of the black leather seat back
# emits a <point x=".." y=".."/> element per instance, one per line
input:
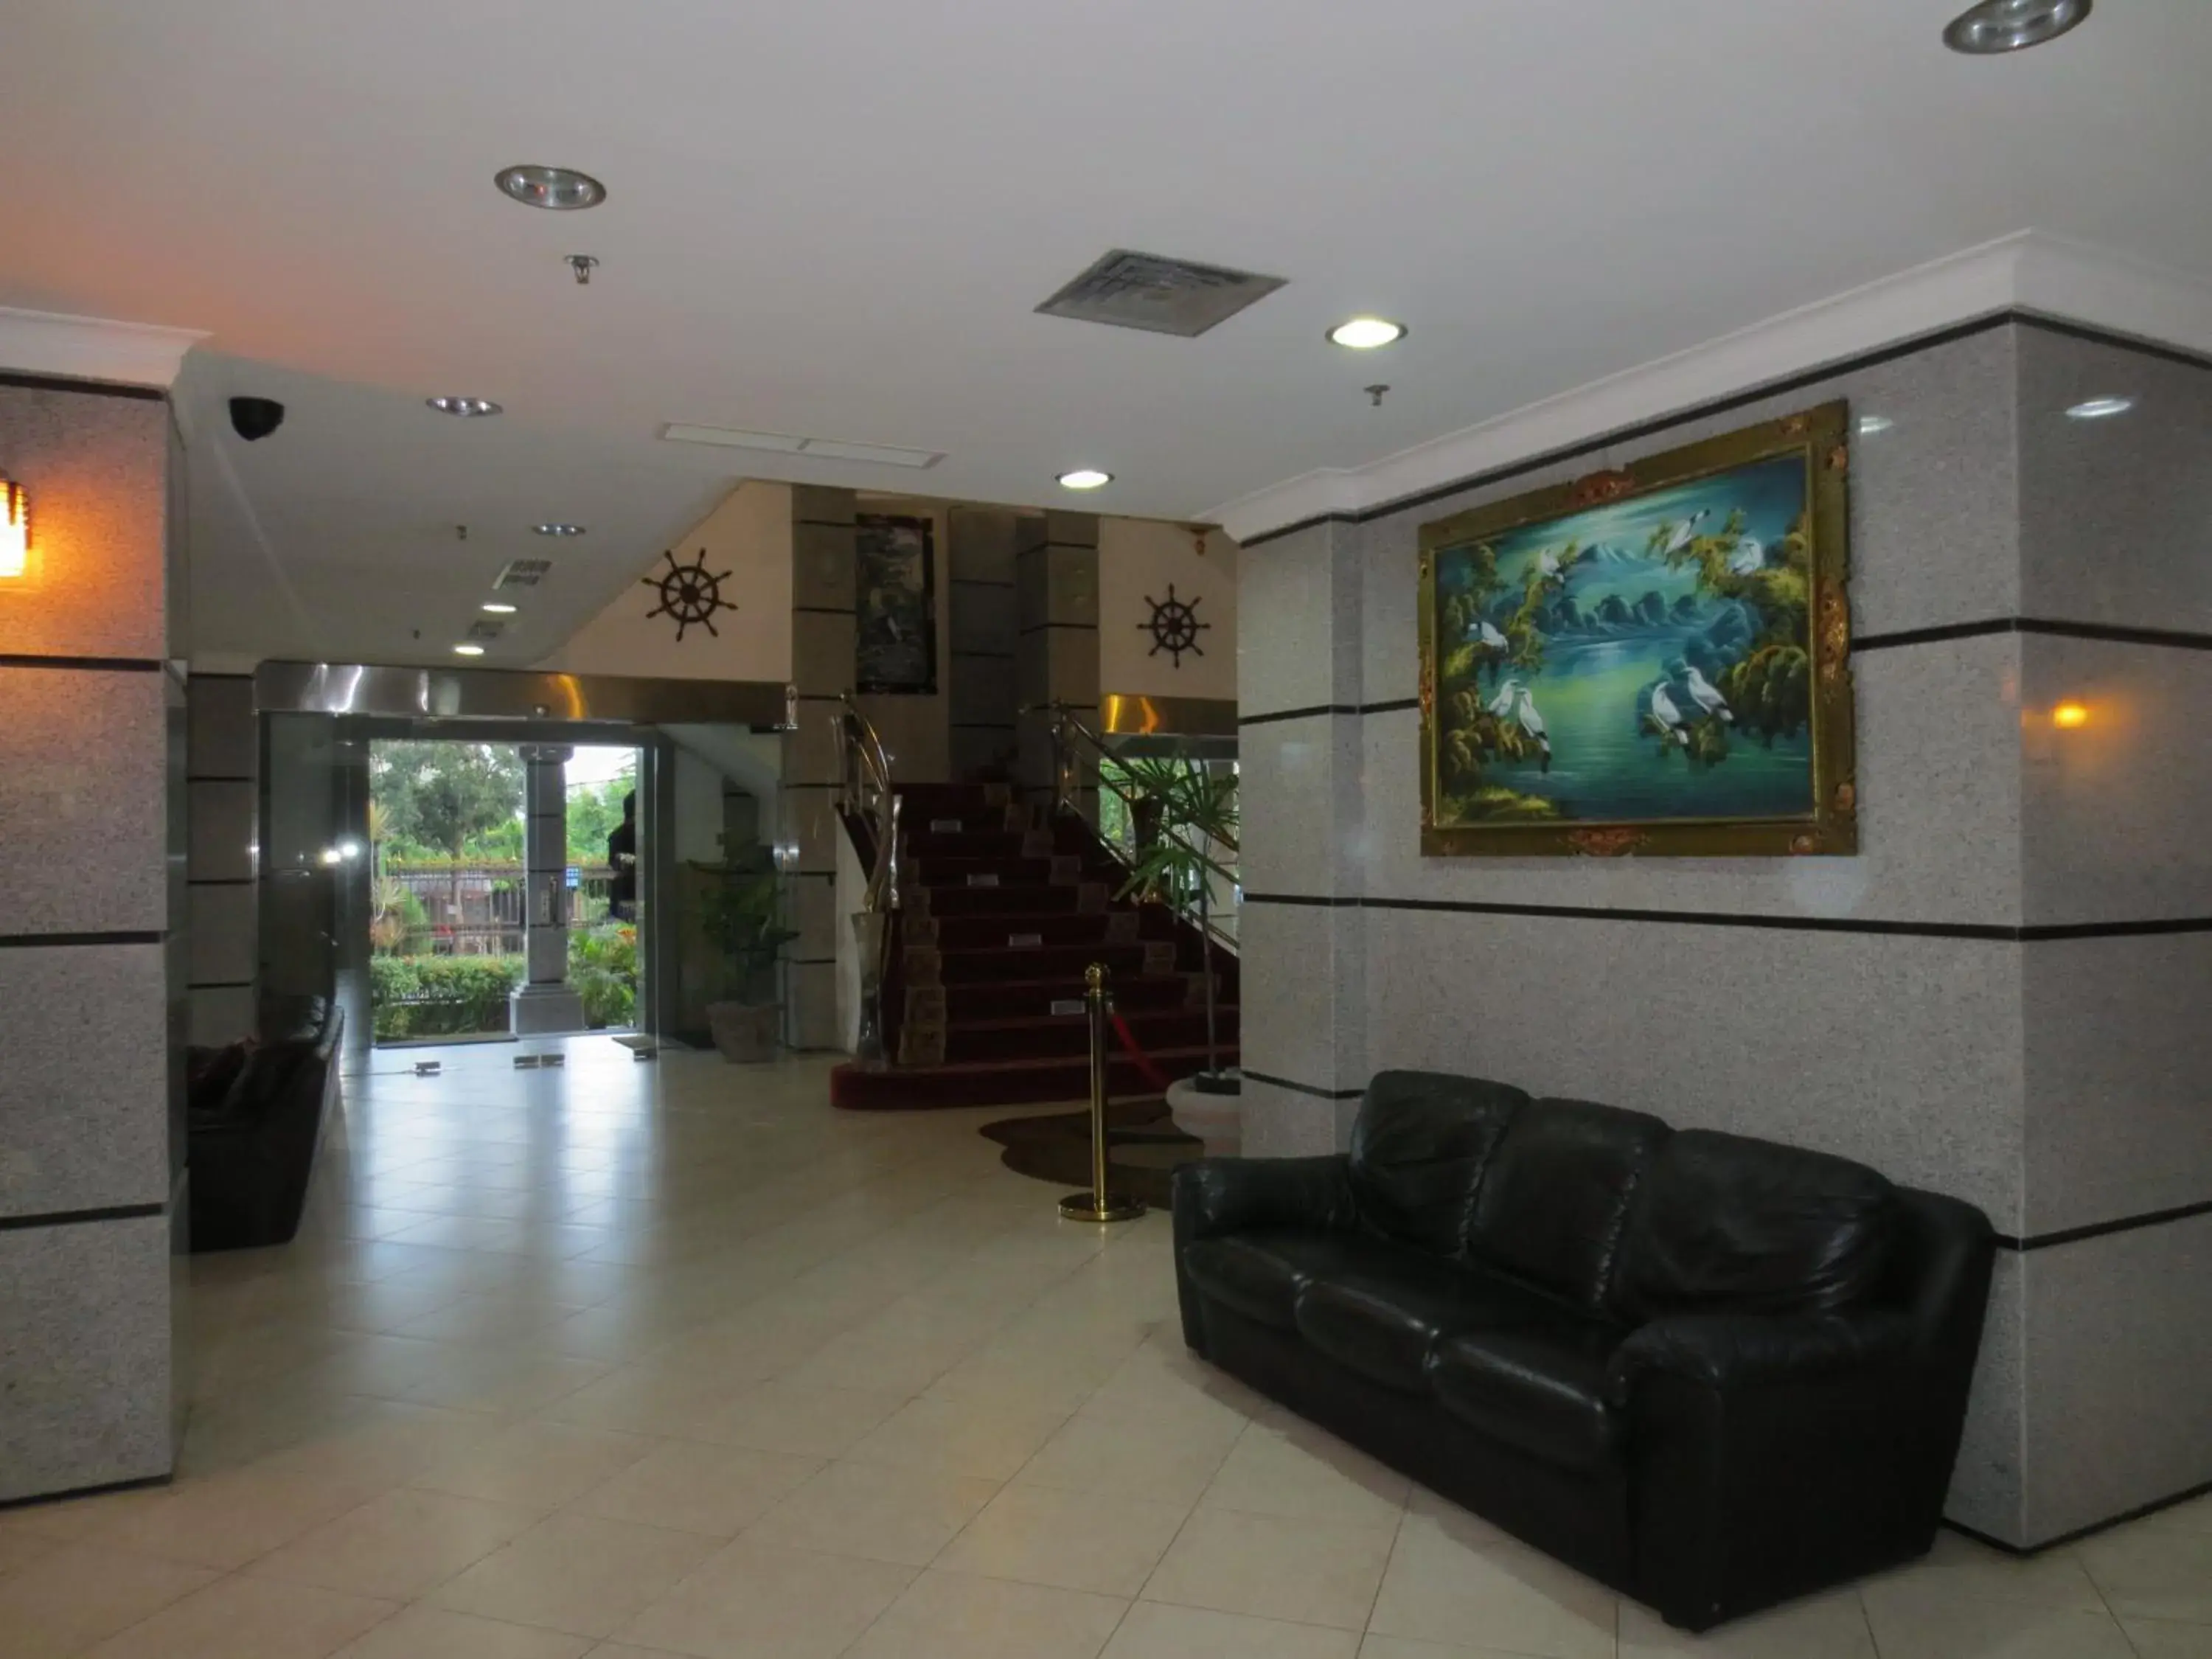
<point x="1555" y="1199"/>
<point x="1418" y="1150"/>
<point x="1724" y="1225"/>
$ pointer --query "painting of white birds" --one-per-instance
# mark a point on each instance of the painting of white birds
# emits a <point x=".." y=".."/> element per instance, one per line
<point x="1635" y="649"/>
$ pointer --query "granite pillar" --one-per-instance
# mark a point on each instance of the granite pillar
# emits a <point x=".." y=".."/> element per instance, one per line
<point x="545" y="1001"/>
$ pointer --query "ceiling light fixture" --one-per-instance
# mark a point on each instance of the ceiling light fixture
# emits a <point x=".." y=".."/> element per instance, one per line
<point x="557" y="529"/>
<point x="497" y="609"/>
<point x="2000" y="26"/>
<point x="1365" y="333"/>
<point x="562" y="189"/>
<point x="1870" y="424"/>
<point x="467" y="408"/>
<point x="468" y="651"/>
<point x="1086" y="478"/>
<point x="2097" y="409"/>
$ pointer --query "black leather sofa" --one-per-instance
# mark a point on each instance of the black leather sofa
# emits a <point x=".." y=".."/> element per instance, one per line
<point x="1713" y="1372"/>
<point x="253" y="1118"/>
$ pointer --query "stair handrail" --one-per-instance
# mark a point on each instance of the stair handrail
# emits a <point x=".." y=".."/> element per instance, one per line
<point x="1071" y="740"/>
<point x="865" y="792"/>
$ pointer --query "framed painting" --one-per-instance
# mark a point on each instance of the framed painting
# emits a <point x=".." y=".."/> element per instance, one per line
<point x="1651" y="660"/>
<point x="895" y="605"/>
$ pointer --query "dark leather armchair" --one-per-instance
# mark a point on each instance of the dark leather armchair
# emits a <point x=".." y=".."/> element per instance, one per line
<point x="253" y="1118"/>
<point x="1711" y="1371"/>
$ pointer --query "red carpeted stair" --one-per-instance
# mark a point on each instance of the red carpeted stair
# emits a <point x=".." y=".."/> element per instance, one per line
<point x="1002" y="909"/>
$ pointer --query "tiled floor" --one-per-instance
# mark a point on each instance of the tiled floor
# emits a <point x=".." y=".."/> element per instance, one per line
<point x="634" y="1359"/>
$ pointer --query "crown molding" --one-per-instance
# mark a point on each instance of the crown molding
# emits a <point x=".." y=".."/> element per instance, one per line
<point x="92" y="348"/>
<point x="2028" y="270"/>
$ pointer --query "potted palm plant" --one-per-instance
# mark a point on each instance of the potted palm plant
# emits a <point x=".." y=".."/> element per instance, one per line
<point x="1183" y="822"/>
<point x="739" y="912"/>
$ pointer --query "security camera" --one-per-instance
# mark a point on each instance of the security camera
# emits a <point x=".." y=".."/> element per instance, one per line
<point x="255" y="418"/>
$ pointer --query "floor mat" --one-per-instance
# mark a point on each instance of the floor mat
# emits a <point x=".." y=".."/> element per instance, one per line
<point x="1143" y="1147"/>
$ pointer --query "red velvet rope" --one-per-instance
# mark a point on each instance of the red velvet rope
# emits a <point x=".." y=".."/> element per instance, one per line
<point x="1154" y="1077"/>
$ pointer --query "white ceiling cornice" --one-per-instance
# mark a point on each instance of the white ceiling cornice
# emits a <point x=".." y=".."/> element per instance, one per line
<point x="92" y="348"/>
<point x="2028" y="271"/>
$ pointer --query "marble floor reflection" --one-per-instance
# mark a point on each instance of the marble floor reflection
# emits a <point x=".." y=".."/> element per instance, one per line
<point x="630" y="1359"/>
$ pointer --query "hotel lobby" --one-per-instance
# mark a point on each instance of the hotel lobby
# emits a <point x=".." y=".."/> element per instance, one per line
<point x="1346" y="843"/>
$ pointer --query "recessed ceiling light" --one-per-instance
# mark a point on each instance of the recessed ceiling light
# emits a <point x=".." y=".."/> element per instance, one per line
<point x="562" y="189"/>
<point x="468" y="651"/>
<point x="1870" y="424"/>
<point x="2096" y="409"/>
<point x="468" y="408"/>
<point x="1086" y="478"/>
<point x="1996" y="26"/>
<point x="497" y="609"/>
<point x="1365" y="333"/>
<point x="558" y="529"/>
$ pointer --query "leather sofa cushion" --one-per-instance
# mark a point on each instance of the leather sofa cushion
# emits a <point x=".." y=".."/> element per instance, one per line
<point x="1384" y="1326"/>
<point x="1419" y="1150"/>
<point x="1259" y="1274"/>
<point x="1554" y="1202"/>
<point x="1724" y="1225"/>
<point x="1540" y="1388"/>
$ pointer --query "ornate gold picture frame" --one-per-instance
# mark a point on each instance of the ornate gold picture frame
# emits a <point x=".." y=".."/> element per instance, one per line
<point x="1651" y="660"/>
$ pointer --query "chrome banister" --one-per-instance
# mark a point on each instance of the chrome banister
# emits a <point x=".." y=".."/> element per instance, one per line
<point x="866" y="791"/>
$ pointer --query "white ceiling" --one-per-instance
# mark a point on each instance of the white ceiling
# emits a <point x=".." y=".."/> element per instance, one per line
<point x="835" y="218"/>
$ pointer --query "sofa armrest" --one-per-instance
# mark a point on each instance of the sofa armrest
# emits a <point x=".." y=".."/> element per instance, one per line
<point x="1219" y="1195"/>
<point x="1727" y="1350"/>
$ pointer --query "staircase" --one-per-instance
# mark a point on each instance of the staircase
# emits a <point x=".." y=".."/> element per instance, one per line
<point x="1002" y="907"/>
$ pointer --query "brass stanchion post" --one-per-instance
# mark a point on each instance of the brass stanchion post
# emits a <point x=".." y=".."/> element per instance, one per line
<point x="1099" y="1204"/>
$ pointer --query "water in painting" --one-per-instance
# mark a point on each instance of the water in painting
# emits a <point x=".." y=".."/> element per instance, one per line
<point x="1644" y="659"/>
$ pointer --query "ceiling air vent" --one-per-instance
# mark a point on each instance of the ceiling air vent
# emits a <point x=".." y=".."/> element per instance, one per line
<point x="486" y="629"/>
<point x="1160" y="295"/>
<point x="787" y="443"/>
<point x="524" y="573"/>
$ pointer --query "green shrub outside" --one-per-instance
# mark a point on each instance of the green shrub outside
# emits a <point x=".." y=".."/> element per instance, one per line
<point x="603" y="970"/>
<point x="460" y="996"/>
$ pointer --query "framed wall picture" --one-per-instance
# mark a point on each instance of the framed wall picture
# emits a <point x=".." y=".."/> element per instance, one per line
<point x="1650" y="661"/>
<point x="895" y="605"/>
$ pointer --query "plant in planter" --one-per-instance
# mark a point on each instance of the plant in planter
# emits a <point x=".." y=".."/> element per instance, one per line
<point x="738" y="911"/>
<point x="1181" y="814"/>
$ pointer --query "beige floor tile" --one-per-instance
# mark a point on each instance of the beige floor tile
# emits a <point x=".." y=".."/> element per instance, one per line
<point x="1155" y="1630"/>
<point x="2160" y="1638"/>
<point x="1405" y="1647"/>
<point x="2151" y="1573"/>
<point x="1075" y="1541"/>
<point x="1170" y="1461"/>
<point x="1301" y="1569"/>
<point x="82" y="1593"/>
<point x="806" y="1422"/>
<point x="957" y="1437"/>
<point x="751" y="1602"/>
<point x="872" y="1511"/>
<point x="1972" y="1627"/>
<point x="578" y="1573"/>
<point x="2195" y="1515"/>
<point x="539" y="1466"/>
<point x="1444" y="1585"/>
<point x="1957" y="1566"/>
<point x="249" y="1619"/>
<point x="21" y="1549"/>
<point x="398" y="1546"/>
<point x="719" y="1490"/>
<point x="1305" y="1473"/>
<point x="952" y="1616"/>
<point x="649" y="1398"/>
<point x="426" y="1632"/>
<point x="225" y="1521"/>
<point x="1832" y="1626"/>
<point x="511" y="1382"/>
<point x="64" y="1520"/>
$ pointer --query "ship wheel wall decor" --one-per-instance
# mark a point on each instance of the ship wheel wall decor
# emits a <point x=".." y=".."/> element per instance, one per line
<point x="1175" y="626"/>
<point x="690" y="594"/>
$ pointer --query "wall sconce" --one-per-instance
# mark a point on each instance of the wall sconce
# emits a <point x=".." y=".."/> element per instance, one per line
<point x="2070" y="716"/>
<point x="15" y="532"/>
